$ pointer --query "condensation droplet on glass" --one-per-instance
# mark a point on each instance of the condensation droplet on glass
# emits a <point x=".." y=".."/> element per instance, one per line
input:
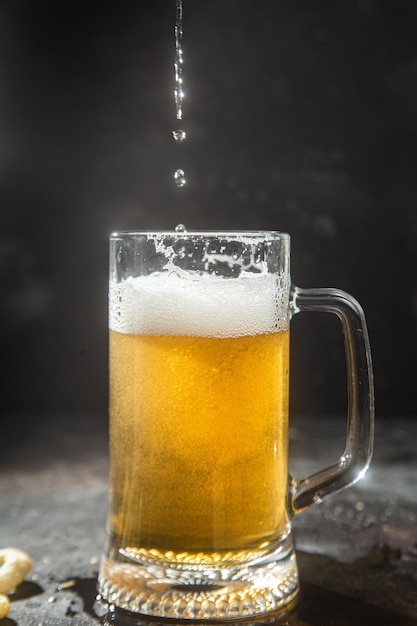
<point x="179" y="135"/>
<point x="180" y="228"/>
<point x="179" y="177"/>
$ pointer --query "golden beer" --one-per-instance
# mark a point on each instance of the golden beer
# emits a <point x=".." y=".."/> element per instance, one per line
<point x="198" y="441"/>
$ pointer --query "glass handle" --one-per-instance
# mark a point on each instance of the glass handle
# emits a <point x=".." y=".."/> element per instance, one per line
<point x="360" y="416"/>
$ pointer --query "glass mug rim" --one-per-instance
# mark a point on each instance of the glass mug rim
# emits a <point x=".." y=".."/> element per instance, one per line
<point x="251" y="234"/>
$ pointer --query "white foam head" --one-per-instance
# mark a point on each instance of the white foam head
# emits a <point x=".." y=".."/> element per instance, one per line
<point x="204" y="305"/>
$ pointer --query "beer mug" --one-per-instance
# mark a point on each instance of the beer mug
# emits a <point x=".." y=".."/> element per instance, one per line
<point x="200" y="496"/>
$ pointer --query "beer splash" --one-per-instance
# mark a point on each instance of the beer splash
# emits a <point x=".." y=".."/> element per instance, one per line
<point x="179" y="135"/>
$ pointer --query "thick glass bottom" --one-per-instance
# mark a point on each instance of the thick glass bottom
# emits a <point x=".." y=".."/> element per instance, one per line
<point x="200" y="590"/>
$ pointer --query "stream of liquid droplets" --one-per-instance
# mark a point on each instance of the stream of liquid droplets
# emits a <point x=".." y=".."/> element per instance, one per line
<point x="179" y="135"/>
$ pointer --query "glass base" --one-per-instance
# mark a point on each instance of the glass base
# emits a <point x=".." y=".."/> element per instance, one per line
<point x="201" y="591"/>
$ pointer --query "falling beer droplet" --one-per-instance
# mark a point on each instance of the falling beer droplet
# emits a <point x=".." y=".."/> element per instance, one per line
<point x="179" y="177"/>
<point x="179" y="135"/>
<point x="180" y="228"/>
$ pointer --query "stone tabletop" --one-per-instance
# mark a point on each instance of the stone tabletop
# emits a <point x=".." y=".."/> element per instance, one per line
<point x="357" y="551"/>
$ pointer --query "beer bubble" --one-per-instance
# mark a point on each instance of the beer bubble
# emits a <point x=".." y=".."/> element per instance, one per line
<point x="180" y="228"/>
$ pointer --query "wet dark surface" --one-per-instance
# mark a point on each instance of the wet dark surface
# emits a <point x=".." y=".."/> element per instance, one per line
<point x="357" y="551"/>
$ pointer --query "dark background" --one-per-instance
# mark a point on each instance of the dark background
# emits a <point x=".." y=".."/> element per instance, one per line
<point x="301" y="116"/>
